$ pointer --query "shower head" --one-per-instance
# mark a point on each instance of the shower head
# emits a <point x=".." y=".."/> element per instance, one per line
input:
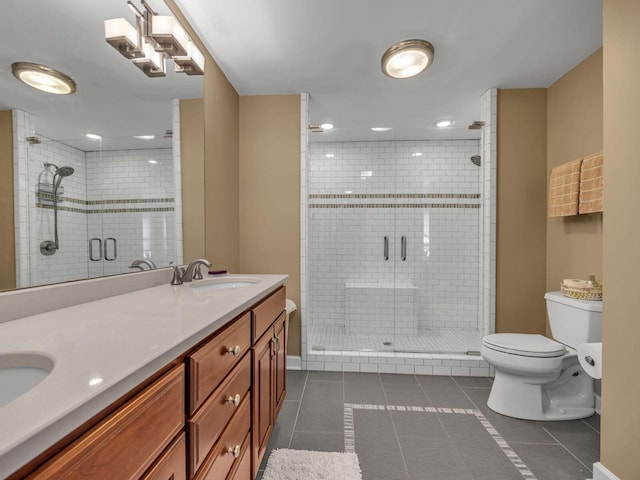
<point x="61" y="172"/>
<point x="476" y="159"/>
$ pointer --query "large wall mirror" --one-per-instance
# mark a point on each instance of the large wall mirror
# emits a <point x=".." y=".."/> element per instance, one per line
<point x="116" y="203"/>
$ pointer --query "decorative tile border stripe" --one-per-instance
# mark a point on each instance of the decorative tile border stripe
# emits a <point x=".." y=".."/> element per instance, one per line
<point x="394" y="195"/>
<point x="349" y="431"/>
<point x="49" y="197"/>
<point x="47" y="206"/>
<point x="506" y="448"/>
<point x="394" y="205"/>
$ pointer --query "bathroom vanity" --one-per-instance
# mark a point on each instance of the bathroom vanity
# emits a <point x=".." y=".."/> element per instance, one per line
<point x="166" y="382"/>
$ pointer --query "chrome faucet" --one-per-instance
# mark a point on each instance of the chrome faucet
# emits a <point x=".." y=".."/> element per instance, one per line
<point x="193" y="270"/>
<point x="145" y="261"/>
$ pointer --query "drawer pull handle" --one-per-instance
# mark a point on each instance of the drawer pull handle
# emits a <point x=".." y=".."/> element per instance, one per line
<point x="235" y="451"/>
<point x="235" y="351"/>
<point x="235" y="400"/>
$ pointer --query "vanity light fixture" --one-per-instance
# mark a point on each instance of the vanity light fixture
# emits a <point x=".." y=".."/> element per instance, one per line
<point x="154" y="40"/>
<point x="407" y="58"/>
<point x="93" y="136"/>
<point x="326" y="126"/>
<point x="381" y="129"/>
<point x="444" y="123"/>
<point x="43" y="78"/>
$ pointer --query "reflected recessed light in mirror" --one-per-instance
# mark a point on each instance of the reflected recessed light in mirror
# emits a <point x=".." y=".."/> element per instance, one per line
<point x="153" y="162"/>
<point x="326" y="126"/>
<point x="380" y="129"/>
<point x="367" y="173"/>
<point x="348" y="192"/>
<point x="93" y="136"/>
<point x="329" y="155"/>
<point x="444" y="123"/>
<point x="95" y="381"/>
<point x="144" y="137"/>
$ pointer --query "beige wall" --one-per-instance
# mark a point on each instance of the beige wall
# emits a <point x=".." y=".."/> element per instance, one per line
<point x="192" y="173"/>
<point x="521" y="211"/>
<point x="574" y="129"/>
<point x="621" y="256"/>
<point x="221" y="174"/>
<point x="270" y="192"/>
<point x="7" y="240"/>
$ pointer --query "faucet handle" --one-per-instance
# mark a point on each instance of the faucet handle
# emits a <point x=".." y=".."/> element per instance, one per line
<point x="197" y="274"/>
<point x="177" y="275"/>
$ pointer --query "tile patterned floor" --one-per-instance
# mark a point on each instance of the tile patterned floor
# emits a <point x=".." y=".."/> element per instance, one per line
<point x="427" y="340"/>
<point x="447" y="433"/>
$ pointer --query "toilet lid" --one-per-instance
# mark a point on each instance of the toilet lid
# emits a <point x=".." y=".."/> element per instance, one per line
<point x="528" y="345"/>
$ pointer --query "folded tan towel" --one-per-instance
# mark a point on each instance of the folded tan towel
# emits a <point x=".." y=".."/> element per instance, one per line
<point x="564" y="186"/>
<point x="591" y="181"/>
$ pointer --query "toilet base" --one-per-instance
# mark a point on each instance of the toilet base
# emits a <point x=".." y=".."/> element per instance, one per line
<point x="569" y="397"/>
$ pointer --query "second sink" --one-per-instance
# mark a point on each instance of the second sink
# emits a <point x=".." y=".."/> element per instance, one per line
<point x="225" y="282"/>
<point x="20" y="372"/>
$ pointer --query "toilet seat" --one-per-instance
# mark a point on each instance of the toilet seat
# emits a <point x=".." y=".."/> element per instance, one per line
<point x="526" y="345"/>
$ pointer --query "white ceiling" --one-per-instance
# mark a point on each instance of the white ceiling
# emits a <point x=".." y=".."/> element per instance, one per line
<point x="114" y="98"/>
<point x="332" y="49"/>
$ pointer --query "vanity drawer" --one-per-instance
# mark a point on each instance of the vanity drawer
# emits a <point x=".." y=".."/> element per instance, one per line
<point x="172" y="465"/>
<point x="211" y="362"/>
<point x="243" y="468"/>
<point x="126" y="443"/>
<point x="208" y="423"/>
<point x="266" y="312"/>
<point x="235" y="437"/>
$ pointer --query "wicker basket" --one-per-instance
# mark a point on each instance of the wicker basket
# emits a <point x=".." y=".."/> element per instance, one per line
<point x="582" y="293"/>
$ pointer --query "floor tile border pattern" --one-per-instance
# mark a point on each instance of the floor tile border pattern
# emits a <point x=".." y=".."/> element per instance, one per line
<point x="349" y="432"/>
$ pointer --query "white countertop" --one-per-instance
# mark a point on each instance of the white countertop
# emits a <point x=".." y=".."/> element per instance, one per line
<point x="122" y="340"/>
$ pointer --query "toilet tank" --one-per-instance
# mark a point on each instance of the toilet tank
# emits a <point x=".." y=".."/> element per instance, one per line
<point x="574" y="321"/>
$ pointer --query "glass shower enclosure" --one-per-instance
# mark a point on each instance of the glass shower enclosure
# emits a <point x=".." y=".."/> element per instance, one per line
<point x="394" y="246"/>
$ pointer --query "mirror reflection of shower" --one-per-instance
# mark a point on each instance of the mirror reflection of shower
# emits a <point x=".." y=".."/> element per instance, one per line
<point x="48" y="247"/>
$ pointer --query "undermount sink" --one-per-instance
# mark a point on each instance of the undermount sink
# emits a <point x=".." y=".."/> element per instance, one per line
<point x="20" y="372"/>
<point x="225" y="282"/>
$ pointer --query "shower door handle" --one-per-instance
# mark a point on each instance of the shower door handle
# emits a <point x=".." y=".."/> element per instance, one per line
<point x="403" y="248"/>
<point x="91" y="257"/>
<point x="106" y="249"/>
<point x="386" y="248"/>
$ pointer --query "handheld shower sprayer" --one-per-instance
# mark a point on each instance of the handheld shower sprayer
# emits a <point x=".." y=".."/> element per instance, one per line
<point x="49" y="247"/>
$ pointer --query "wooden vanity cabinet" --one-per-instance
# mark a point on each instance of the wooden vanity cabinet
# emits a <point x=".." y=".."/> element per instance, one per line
<point x="126" y="443"/>
<point x="269" y="371"/>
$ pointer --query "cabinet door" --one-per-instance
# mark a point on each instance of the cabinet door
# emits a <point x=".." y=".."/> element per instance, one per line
<point x="263" y="385"/>
<point x="280" y="363"/>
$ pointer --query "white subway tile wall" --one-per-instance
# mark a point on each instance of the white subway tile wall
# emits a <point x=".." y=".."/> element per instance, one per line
<point x="426" y="191"/>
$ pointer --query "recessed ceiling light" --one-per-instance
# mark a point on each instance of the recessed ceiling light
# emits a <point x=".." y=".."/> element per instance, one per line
<point x="43" y="78"/>
<point x="380" y="129"/>
<point x="329" y="155"/>
<point x="93" y="136"/>
<point x="144" y="137"/>
<point x="326" y="126"/>
<point x="153" y="162"/>
<point x="407" y="59"/>
<point x="444" y="123"/>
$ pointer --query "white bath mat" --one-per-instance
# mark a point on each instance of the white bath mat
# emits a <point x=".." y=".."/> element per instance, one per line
<point x="286" y="464"/>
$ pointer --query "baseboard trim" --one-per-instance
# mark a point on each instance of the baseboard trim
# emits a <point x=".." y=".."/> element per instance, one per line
<point x="294" y="362"/>
<point x="598" y="399"/>
<point x="600" y="472"/>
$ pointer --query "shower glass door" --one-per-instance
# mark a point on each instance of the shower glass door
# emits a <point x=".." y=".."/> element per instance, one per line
<point x="394" y="245"/>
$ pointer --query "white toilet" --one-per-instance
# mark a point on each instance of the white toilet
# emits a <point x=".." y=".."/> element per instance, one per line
<point x="537" y="378"/>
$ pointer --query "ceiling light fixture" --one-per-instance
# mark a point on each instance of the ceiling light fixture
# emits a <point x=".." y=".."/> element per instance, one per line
<point x="407" y="58"/>
<point x="444" y="123"/>
<point x="381" y="129"/>
<point x="320" y="128"/>
<point x="154" y="40"/>
<point x="93" y="136"/>
<point x="43" y="78"/>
